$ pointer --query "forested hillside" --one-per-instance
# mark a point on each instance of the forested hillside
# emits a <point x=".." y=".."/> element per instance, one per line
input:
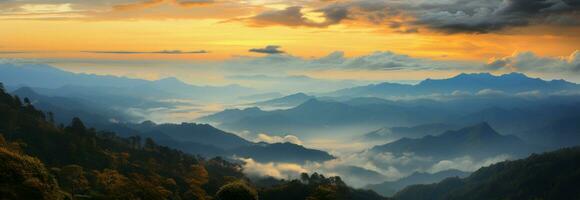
<point x="41" y="160"/>
<point x="554" y="175"/>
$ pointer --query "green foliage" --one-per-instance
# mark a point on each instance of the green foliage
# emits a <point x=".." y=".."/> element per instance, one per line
<point x="25" y="177"/>
<point x="236" y="191"/>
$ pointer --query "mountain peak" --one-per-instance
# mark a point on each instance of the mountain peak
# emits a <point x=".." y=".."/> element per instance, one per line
<point x="481" y="130"/>
<point x="24" y="90"/>
<point x="300" y="94"/>
<point x="515" y="75"/>
<point x="169" y="80"/>
<point x="470" y="75"/>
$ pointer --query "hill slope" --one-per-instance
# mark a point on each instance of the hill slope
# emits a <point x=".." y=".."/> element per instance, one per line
<point x="479" y="141"/>
<point x="389" y="188"/>
<point x="554" y="175"/>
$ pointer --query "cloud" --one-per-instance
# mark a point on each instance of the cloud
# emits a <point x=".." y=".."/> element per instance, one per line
<point x="138" y="5"/>
<point x="12" y="52"/>
<point x="150" y="52"/>
<point x="448" y="16"/>
<point x="490" y="92"/>
<point x="530" y="62"/>
<point x="39" y="10"/>
<point x="270" y="49"/>
<point x="152" y="3"/>
<point x="466" y="163"/>
<point x="276" y="170"/>
<point x="294" y="16"/>
<point x="379" y="60"/>
<point x="262" y="137"/>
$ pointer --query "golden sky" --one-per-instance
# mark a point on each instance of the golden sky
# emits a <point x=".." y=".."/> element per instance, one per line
<point x="217" y="30"/>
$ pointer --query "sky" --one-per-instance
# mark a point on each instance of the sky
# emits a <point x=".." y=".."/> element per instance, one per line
<point x="217" y="42"/>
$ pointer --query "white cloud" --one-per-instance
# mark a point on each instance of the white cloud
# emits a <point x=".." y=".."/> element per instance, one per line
<point x="263" y="137"/>
<point x="490" y="92"/>
<point x="530" y="62"/>
<point x="276" y="170"/>
<point x="466" y="163"/>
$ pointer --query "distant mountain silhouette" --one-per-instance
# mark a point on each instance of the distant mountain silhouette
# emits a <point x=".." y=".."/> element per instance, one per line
<point x="478" y="141"/>
<point x="286" y="101"/>
<point x="65" y="108"/>
<point x="389" y="188"/>
<point x="190" y="132"/>
<point x="314" y="114"/>
<point x="551" y="175"/>
<point x="511" y="83"/>
<point x="280" y="152"/>
<point x="206" y="140"/>
<point x="57" y="82"/>
<point x="563" y="132"/>
<point x="261" y="96"/>
<point x="418" y="131"/>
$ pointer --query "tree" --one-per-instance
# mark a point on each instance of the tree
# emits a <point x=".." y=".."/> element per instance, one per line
<point x="50" y="117"/>
<point x="27" y="102"/>
<point x="150" y="144"/>
<point x="25" y="177"/>
<point x="304" y="178"/>
<point x="236" y="191"/>
<point x="72" y="178"/>
<point x="17" y="101"/>
<point x="77" y="126"/>
<point x="113" y="184"/>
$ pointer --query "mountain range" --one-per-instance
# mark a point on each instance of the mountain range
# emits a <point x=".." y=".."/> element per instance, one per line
<point x="394" y="133"/>
<point x="286" y="101"/>
<point x="200" y="139"/>
<point x="206" y="140"/>
<point x="389" y="188"/>
<point x="479" y="141"/>
<point x="41" y="160"/>
<point x="472" y="83"/>
<point x="49" y="80"/>
<point x="512" y="110"/>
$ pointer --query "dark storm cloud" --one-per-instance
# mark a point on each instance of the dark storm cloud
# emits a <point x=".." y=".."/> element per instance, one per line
<point x="489" y="16"/>
<point x="293" y="16"/>
<point x="270" y="49"/>
<point x="448" y="16"/>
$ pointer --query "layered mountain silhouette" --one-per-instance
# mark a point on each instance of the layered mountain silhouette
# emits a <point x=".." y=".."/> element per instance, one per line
<point x="393" y="133"/>
<point x="286" y="101"/>
<point x="206" y="140"/>
<point x="52" y="81"/>
<point x="41" y="160"/>
<point x="389" y="188"/>
<point x="478" y="141"/>
<point x="280" y="152"/>
<point x="316" y="114"/>
<point x="473" y="83"/>
<point x="94" y="113"/>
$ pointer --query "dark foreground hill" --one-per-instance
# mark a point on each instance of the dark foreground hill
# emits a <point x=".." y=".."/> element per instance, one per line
<point x="39" y="160"/>
<point x="554" y="175"/>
